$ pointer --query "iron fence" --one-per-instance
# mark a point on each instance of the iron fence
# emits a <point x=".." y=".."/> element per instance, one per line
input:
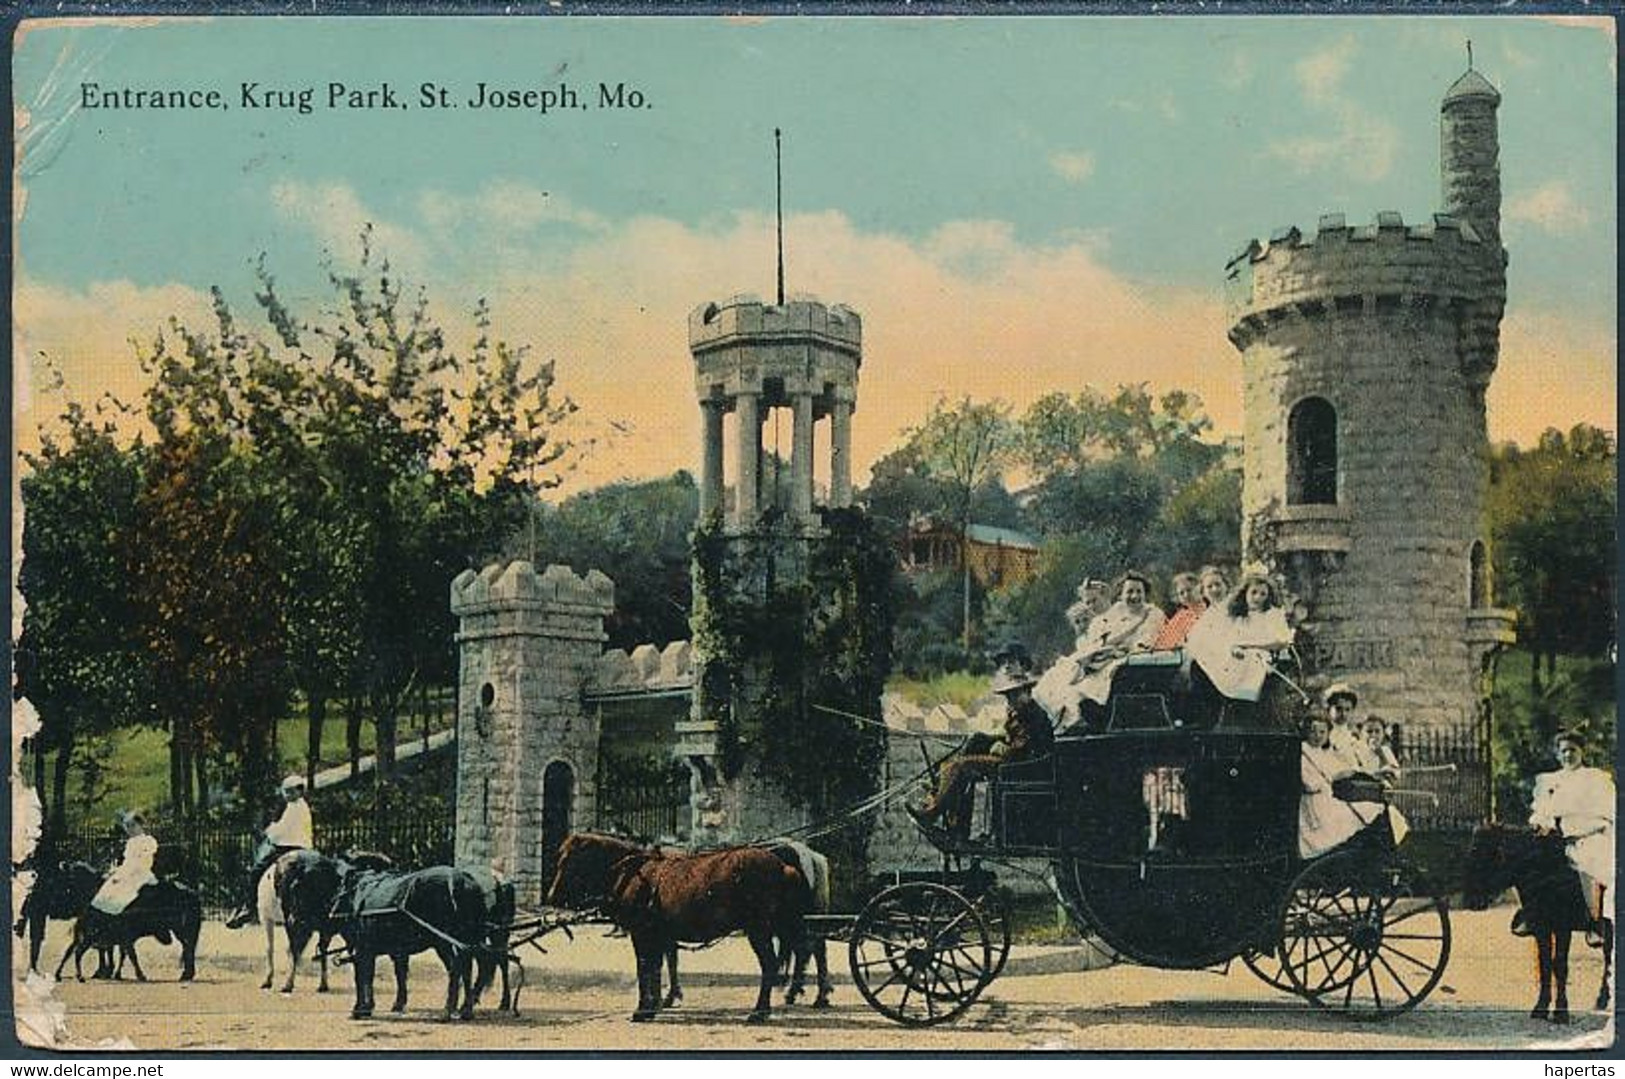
<point x="1448" y="768"/>
<point x="657" y="809"/>
<point x="216" y="859"/>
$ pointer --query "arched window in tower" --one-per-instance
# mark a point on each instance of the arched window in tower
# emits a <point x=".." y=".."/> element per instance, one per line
<point x="1478" y="581"/>
<point x="1311" y="453"/>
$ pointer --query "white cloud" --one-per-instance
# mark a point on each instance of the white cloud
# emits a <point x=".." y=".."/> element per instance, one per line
<point x="335" y="214"/>
<point x="1551" y="207"/>
<point x="1073" y="166"/>
<point x="969" y="309"/>
<point x="1320" y="74"/>
<point x="1352" y="140"/>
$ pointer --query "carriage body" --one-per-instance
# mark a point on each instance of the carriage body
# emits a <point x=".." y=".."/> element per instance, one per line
<point x="1172" y="829"/>
<point x="1172" y="832"/>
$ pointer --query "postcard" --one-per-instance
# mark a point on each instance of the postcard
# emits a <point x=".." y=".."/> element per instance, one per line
<point x="873" y="533"/>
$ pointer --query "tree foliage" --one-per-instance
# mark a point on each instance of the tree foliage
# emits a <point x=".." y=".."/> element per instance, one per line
<point x="302" y="492"/>
<point x="1552" y="513"/>
<point x="635" y="533"/>
<point x="78" y="660"/>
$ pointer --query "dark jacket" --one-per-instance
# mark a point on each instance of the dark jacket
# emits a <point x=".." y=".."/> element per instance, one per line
<point x="1027" y="732"/>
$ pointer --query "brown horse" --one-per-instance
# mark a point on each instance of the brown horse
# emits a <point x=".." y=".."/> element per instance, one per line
<point x="662" y="900"/>
<point x="1503" y="857"/>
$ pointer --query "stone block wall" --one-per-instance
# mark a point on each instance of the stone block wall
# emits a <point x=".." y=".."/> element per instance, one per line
<point x="1411" y="480"/>
<point x="528" y="643"/>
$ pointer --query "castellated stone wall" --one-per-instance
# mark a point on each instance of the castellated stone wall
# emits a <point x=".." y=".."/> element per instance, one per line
<point x="529" y="642"/>
<point x="1380" y="322"/>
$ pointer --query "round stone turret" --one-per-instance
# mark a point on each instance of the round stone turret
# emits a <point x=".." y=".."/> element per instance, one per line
<point x="1366" y="352"/>
<point x="751" y="357"/>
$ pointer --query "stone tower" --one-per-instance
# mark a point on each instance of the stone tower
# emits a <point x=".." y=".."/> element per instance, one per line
<point x="527" y="750"/>
<point x="751" y="358"/>
<point x="1366" y="351"/>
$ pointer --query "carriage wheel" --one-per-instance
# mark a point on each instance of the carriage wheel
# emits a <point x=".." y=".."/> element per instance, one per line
<point x="921" y="953"/>
<point x="1270" y="969"/>
<point x="995" y="911"/>
<point x="1359" y="937"/>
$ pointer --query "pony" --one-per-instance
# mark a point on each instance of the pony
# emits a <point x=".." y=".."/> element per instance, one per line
<point x="661" y="900"/>
<point x="399" y="914"/>
<point x="167" y="910"/>
<point x="268" y="904"/>
<point x="311" y="891"/>
<point x="1502" y="857"/>
<point x="814" y="869"/>
<point x="61" y="891"/>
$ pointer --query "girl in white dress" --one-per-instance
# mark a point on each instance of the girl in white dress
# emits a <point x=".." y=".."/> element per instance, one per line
<point x="134" y="870"/>
<point x="1577" y="803"/>
<point x="1233" y="643"/>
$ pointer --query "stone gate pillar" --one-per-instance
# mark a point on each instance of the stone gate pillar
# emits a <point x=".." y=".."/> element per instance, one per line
<point x="527" y="644"/>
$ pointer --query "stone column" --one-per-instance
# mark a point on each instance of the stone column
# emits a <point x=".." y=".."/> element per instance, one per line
<point x="801" y="458"/>
<point x="749" y="457"/>
<point x="711" y="456"/>
<point x="840" y="454"/>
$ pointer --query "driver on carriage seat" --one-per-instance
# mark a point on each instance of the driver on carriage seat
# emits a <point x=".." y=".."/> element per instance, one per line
<point x="1028" y="735"/>
<point x="293" y="830"/>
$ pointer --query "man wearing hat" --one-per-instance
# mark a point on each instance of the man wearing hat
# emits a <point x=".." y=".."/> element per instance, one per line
<point x="1341" y="701"/>
<point x="1027" y="734"/>
<point x="293" y="830"/>
<point x="134" y="870"/>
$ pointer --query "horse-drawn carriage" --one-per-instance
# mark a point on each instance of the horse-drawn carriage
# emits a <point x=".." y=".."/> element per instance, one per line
<point x="1171" y="832"/>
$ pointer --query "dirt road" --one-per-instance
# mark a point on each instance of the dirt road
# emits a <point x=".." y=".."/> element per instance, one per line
<point x="579" y="996"/>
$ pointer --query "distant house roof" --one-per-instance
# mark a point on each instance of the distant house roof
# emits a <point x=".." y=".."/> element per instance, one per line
<point x="1003" y="537"/>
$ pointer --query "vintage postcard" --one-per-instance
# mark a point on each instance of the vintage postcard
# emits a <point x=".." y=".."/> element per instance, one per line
<point x="814" y="533"/>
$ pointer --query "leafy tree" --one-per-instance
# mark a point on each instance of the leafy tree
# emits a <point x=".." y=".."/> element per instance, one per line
<point x="963" y="446"/>
<point x="1552" y="520"/>
<point x="77" y="660"/>
<point x="638" y="535"/>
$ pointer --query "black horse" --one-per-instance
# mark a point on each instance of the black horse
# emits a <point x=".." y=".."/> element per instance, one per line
<point x="317" y="894"/>
<point x="167" y="910"/>
<point x="1554" y="908"/>
<point x="399" y="914"/>
<point x="61" y="891"/>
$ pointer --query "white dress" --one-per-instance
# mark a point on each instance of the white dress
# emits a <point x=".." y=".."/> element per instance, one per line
<point x="1579" y="802"/>
<point x="294" y="828"/>
<point x="1087" y="672"/>
<point x="1325" y="821"/>
<point x="1216" y="634"/>
<point x="132" y="873"/>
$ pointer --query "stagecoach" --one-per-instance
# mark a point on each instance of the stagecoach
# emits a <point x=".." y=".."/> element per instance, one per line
<point x="1171" y="834"/>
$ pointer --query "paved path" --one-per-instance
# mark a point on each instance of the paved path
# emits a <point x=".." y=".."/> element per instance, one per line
<point x="580" y="994"/>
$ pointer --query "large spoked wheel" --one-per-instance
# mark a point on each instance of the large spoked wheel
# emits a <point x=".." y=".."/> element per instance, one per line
<point x="1359" y="936"/>
<point x="921" y="953"/>
<point x="995" y="911"/>
<point x="1270" y="969"/>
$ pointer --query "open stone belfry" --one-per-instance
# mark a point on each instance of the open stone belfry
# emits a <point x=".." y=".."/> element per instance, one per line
<point x="1366" y="352"/>
<point x="751" y="358"/>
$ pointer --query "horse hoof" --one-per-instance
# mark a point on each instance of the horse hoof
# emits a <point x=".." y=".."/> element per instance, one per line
<point x="1538" y="1012"/>
<point x="266" y="984"/>
<point x="1561" y="1015"/>
<point x="642" y="1017"/>
<point x="756" y="1017"/>
<point x="361" y="1013"/>
<point x="821" y="1002"/>
<point x="286" y="989"/>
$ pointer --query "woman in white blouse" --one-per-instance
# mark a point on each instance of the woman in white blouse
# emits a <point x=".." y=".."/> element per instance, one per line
<point x="1577" y="803"/>
<point x="1234" y="643"/>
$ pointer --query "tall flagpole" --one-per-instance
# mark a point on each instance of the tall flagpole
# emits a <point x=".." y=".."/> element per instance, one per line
<point x="778" y="183"/>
